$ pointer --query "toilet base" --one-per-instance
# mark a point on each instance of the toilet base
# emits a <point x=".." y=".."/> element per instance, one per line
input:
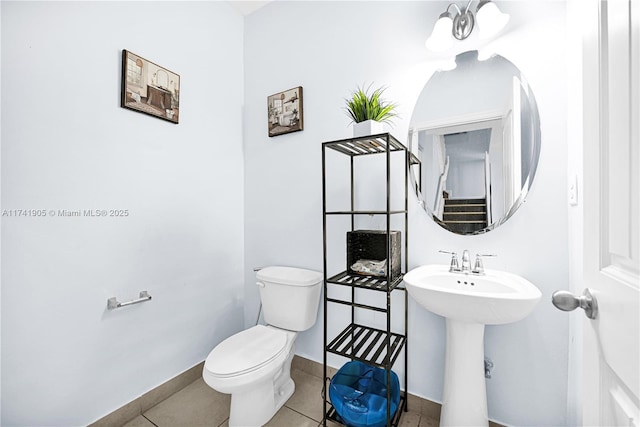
<point x="255" y="407"/>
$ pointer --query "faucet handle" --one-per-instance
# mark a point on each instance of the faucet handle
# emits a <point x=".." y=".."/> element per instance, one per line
<point x="454" y="260"/>
<point x="479" y="267"/>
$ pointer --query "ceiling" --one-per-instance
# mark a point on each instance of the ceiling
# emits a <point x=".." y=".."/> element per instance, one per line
<point x="245" y="7"/>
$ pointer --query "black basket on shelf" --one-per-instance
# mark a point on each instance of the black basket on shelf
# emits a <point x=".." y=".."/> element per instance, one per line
<point x="372" y="245"/>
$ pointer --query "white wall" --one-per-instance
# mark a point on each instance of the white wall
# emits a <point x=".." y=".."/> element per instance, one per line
<point x="329" y="49"/>
<point x="67" y="144"/>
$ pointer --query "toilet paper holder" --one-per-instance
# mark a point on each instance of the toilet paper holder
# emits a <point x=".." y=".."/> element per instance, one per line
<point x="113" y="303"/>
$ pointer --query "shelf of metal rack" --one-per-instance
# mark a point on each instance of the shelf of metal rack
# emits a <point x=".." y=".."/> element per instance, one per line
<point x="375" y="346"/>
<point x="367" y="282"/>
<point x="369" y="345"/>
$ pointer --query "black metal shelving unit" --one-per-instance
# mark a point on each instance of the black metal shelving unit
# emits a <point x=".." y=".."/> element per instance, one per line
<point x="357" y="341"/>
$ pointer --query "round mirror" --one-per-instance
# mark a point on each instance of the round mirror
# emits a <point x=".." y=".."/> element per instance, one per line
<point x="474" y="138"/>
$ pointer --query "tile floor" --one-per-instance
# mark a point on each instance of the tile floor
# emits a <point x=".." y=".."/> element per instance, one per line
<point x="198" y="405"/>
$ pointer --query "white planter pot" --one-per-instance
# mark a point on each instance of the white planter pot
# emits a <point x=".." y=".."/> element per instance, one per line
<point x="368" y="127"/>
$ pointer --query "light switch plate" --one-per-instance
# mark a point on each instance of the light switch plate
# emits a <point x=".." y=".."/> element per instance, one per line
<point x="573" y="190"/>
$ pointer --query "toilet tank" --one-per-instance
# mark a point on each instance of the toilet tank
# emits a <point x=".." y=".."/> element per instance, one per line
<point x="290" y="296"/>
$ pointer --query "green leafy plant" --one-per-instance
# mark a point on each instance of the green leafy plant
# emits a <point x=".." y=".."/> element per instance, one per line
<point x="366" y="104"/>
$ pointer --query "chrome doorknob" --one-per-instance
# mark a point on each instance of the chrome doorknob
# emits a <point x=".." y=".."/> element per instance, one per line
<point x="566" y="301"/>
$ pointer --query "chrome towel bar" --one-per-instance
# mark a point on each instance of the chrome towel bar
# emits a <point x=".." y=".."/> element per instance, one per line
<point x="112" y="303"/>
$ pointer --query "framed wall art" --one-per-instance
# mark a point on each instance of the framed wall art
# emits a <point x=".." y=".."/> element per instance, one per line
<point x="284" y="110"/>
<point x="149" y="88"/>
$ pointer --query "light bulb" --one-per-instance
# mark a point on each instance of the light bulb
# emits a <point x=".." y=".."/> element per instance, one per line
<point x="490" y="19"/>
<point x="441" y="39"/>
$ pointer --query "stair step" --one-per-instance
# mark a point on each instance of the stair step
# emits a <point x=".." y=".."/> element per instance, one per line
<point x="462" y="213"/>
<point x="464" y="201"/>
<point x="465" y="222"/>
<point x="465" y="209"/>
<point x="465" y="216"/>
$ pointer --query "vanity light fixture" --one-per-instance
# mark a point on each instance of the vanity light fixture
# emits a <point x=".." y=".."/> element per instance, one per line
<point x="490" y="20"/>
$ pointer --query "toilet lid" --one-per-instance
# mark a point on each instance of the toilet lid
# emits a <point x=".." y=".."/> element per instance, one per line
<point x="246" y="351"/>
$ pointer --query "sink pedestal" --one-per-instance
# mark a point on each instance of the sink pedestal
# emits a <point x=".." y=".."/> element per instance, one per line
<point x="464" y="398"/>
<point x="468" y="302"/>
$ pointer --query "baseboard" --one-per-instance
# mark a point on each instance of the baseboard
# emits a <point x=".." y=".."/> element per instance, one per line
<point x="415" y="403"/>
<point x="142" y="404"/>
<point x="128" y="412"/>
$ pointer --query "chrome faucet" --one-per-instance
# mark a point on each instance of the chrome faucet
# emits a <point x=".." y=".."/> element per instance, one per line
<point x="465" y="267"/>
<point x="479" y="267"/>
<point x="466" y="262"/>
<point x="453" y="267"/>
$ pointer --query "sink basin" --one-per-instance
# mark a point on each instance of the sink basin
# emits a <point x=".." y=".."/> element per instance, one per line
<point x="469" y="302"/>
<point x="495" y="298"/>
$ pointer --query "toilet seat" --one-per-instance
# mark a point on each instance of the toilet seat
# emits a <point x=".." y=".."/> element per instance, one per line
<point x="246" y="351"/>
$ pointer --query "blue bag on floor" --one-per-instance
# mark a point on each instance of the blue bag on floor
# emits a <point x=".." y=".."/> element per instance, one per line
<point x="358" y="393"/>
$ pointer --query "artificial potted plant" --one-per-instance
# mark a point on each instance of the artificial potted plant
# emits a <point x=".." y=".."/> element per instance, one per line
<point x="368" y="111"/>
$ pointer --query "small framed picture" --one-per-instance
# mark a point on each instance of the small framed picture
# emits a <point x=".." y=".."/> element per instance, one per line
<point x="284" y="111"/>
<point x="149" y="88"/>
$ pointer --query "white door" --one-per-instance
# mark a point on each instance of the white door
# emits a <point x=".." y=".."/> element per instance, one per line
<point x="611" y="92"/>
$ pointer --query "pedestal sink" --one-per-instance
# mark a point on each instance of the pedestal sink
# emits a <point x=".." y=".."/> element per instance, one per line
<point x="468" y="302"/>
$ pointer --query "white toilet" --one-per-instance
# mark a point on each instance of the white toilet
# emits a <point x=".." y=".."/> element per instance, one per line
<point x="254" y="365"/>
